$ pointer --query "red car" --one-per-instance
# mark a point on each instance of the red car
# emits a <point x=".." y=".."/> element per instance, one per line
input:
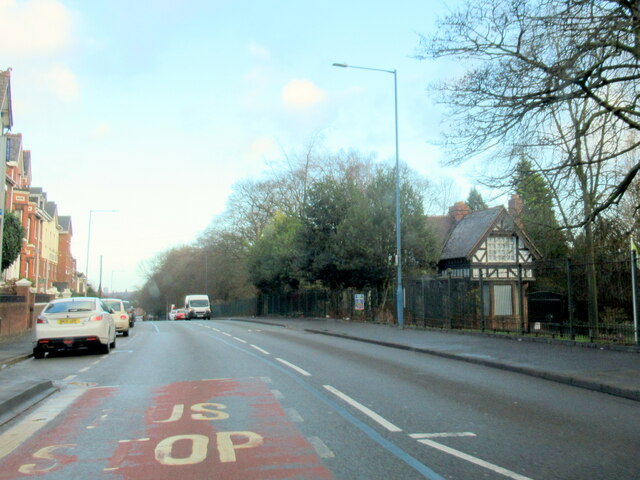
<point x="181" y="314"/>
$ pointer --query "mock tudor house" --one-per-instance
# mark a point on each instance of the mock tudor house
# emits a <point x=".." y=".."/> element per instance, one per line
<point x="488" y="246"/>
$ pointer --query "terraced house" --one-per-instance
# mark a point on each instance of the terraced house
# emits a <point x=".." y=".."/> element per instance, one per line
<point x="46" y="235"/>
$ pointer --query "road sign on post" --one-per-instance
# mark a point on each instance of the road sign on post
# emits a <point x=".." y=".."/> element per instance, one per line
<point x="359" y="301"/>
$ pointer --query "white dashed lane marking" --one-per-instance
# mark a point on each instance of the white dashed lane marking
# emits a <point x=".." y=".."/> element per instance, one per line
<point x="367" y="411"/>
<point x="259" y="349"/>
<point x="294" y="367"/>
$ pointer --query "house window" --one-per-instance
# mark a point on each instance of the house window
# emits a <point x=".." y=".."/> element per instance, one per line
<point x="501" y="249"/>
<point x="503" y="302"/>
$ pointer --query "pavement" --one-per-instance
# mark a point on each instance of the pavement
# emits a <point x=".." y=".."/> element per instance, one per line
<point x="614" y="370"/>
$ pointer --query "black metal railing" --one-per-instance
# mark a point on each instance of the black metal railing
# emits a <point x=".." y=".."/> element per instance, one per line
<point x="570" y="299"/>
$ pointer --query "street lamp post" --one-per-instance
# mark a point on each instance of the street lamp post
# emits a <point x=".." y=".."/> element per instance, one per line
<point x="400" y="292"/>
<point x="91" y="212"/>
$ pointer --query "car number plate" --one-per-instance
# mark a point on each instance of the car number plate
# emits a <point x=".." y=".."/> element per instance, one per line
<point x="68" y="321"/>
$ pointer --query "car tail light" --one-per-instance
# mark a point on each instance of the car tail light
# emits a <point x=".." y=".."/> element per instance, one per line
<point x="43" y="341"/>
<point x="92" y="339"/>
<point x="41" y="320"/>
<point x="97" y="318"/>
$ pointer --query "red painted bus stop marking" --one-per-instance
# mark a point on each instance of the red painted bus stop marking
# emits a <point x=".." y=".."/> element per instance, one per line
<point x="231" y="429"/>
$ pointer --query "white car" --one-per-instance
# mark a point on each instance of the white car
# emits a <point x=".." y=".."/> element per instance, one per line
<point x="72" y="323"/>
<point x="120" y="314"/>
<point x="172" y="314"/>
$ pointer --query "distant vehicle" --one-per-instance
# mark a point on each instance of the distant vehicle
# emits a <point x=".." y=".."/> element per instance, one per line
<point x="198" y="306"/>
<point x="74" y="323"/>
<point x="172" y="314"/>
<point x="182" y="314"/>
<point x="131" y="312"/>
<point x="120" y="314"/>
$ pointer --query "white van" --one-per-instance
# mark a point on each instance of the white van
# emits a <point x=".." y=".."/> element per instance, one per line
<point x="197" y="306"/>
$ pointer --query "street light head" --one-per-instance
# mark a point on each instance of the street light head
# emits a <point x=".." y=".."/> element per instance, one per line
<point x="343" y="65"/>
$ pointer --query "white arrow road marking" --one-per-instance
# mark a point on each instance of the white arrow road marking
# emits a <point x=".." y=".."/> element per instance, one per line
<point x="442" y="435"/>
<point x="474" y="460"/>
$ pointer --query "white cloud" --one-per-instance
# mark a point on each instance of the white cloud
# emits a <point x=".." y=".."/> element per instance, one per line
<point x="302" y="94"/>
<point x="259" y="51"/>
<point x="262" y="147"/>
<point x="103" y="130"/>
<point x="34" y="27"/>
<point x="62" y="83"/>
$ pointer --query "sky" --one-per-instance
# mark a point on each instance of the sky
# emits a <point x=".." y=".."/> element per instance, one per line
<point x="155" y="108"/>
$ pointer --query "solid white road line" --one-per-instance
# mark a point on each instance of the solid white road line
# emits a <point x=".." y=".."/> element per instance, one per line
<point x="368" y="412"/>
<point x="70" y="377"/>
<point x="259" y="349"/>
<point x="294" y="367"/>
<point x="474" y="460"/>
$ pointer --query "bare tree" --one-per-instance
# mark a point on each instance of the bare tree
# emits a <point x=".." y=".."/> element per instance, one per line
<point x="529" y="56"/>
<point x="440" y="195"/>
<point x="251" y="207"/>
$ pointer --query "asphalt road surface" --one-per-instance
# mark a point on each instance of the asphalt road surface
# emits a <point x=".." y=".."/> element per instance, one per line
<point x="236" y="400"/>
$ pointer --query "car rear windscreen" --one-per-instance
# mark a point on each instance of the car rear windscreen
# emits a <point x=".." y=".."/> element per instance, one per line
<point x="113" y="305"/>
<point x="71" y="306"/>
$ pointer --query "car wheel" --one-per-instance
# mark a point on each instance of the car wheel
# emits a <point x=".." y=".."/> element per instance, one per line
<point x="38" y="353"/>
<point x="125" y="333"/>
<point x="113" y="344"/>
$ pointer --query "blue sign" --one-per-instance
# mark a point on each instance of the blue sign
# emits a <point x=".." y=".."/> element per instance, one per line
<point x="359" y="301"/>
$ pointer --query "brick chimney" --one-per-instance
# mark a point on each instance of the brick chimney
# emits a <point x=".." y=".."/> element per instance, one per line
<point x="515" y="208"/>
<point x="459" y="210"/>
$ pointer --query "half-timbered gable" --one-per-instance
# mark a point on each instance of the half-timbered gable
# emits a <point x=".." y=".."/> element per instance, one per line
<point x="488" y="243"/>
<point x="489" y="247"/>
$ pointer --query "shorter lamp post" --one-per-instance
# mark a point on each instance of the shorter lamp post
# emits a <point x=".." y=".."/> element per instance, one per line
<point x="91" y="212"/>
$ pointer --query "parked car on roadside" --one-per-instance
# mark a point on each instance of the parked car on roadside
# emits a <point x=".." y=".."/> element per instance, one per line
<point x="120" y="314"/>
<point x="74" y="323"/>
<point x="182" y="314"/>
<point x="172" y="314"/>
<point x="132" y="313"/>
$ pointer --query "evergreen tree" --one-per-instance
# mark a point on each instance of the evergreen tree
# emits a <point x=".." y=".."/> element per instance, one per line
<point x="272" y="260"/>
<point x="538" y="217"/>
<point x="12" y="235"/>
<point x="475" y="200"/>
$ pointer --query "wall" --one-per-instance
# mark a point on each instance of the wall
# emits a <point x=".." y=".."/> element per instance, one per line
<point x="19" y="315"/>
